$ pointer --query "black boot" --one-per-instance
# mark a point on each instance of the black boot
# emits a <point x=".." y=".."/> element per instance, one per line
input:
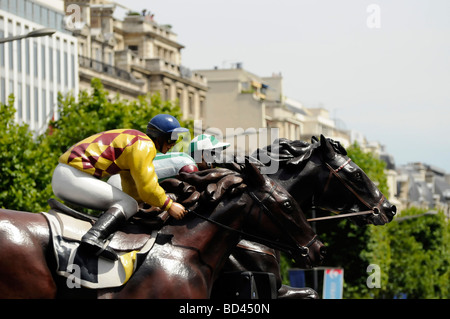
<point x="95" y="239"/>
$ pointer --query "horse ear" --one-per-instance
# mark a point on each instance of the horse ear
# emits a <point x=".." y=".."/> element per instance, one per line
<point x="326" y="147"/>
<point x="254" y="176"/>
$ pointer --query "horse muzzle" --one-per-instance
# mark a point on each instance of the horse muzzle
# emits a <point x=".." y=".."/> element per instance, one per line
<point x="383" y="214"/>
<point x="310" y="255"/>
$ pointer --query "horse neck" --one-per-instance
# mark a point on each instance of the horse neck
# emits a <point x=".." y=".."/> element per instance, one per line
<point x="301" y="183"/>
<point x="212" y="243"/>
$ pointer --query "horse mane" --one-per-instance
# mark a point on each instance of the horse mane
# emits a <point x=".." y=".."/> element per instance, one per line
<point x="286" y="152"/>
<point x="205" y="188"/>
<point x="293" y="152"/>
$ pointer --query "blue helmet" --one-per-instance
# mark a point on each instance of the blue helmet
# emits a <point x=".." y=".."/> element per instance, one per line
<point x="164" y="124"/>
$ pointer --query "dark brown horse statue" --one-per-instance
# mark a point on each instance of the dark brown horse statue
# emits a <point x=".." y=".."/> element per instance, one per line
<point x="187" y="256"/>
<point x="317" y="174"/>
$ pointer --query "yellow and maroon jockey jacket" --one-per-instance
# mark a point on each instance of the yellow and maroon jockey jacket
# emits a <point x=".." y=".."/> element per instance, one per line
<point x="127" y="152"/>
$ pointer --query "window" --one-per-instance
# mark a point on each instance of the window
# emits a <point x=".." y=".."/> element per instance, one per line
<point x="36" y="104"/>
<point x="19" y="101"/>
<point x="27" y="52"/>
<point x="11" y="56"/>
<point x="98" y="54"/>
<point x="52" y="19"/>
<point x="44" y="16"/>
<point x="245" y="87"/>
<point x="44" y="105"/>
<point x="133" y="48"/>
<point x="191" y="109"/>
<point x="58" y="65"/>
<point x="21" y="8"/>
<point x="72" y="62"/>
<point x="51" y="103"/>
<point x="179" y="98"/>
<point x="50" y="62"/>
<point x="35" y="57"/>
<point x="43" y="60"/>
<point x="166" y="93"/>
<point x="202" y="108"/>
<point x="29" y="10"/>
<point x="36" y="12"/>
<point x="12" y="6"/>
<point x="19" y="56"/>
<point x="28" y="104"/>
<point x="66" y="69"/>
<point x="11" y="45"/>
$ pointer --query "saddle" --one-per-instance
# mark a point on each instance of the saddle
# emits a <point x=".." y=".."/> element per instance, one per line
<point x="132" y="243"/>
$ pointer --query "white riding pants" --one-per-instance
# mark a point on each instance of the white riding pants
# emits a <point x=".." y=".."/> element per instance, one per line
<point x="80" y="188"/>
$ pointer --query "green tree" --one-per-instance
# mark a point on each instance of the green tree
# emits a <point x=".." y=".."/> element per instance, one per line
<point x="19" y="166"/>
<point x="27" y="163"/>
<point x="420" y="256"/>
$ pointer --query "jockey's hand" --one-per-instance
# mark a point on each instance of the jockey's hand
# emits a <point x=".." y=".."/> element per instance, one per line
<point x="177" y="211"/>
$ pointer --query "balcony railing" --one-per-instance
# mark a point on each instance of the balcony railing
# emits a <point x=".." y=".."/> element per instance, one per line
<point x="101" y="67"/>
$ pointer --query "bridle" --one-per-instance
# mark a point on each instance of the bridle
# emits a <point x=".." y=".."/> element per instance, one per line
<point x="293" y="248"/>
<point x="375" y="210"/>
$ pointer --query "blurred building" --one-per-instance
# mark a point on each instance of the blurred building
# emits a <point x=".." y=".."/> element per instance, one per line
<point x="36" y="69"/>
<point x="133" y="56"/>
<point x="243" y="107"/>
<point x="423" y="186"/>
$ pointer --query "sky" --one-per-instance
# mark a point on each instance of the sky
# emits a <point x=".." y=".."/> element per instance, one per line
<point x="380" y="67"/>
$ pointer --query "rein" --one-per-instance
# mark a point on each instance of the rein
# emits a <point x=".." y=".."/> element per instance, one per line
<point x="304" y="250"/>
<point x="366" y="212"/>
<point x="264" y="241"/>
<point x="334" y="172"/>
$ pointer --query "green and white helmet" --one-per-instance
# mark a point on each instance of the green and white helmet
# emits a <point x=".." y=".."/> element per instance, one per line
<point x="206" y="142"/>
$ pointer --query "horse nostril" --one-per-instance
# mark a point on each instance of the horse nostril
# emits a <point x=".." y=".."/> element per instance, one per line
<point x="376" y="211"/>
<point x="394" y="209"/>
<point x="323" y="250"/>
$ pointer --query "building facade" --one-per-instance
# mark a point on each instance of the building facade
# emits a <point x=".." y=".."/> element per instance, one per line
<point x="133" y="56"/>
<point x="243" y="106"/>
<point x="36" y="69"/>
<point x="424" y="186"/>
<point x="236" y="109"/>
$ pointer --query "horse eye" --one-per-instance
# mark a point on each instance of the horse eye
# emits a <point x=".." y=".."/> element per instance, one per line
<point x="287" y="205"/>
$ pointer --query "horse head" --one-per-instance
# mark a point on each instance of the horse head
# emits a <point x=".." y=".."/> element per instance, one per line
<point x="280" y="219"/>
<point x="347" y="188"/>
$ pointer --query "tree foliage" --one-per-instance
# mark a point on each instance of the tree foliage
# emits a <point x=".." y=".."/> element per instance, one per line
<point x="27" y="162"/>
<point x="419" y="256"/>
<point x="19" y="166"/>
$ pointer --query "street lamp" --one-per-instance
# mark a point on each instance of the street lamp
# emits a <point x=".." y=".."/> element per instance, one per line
<point x="33" y="34"/>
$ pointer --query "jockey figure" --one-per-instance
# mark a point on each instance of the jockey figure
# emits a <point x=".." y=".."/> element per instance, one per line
<point x="206" y="150"/>
<point x="78" y="177"/>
